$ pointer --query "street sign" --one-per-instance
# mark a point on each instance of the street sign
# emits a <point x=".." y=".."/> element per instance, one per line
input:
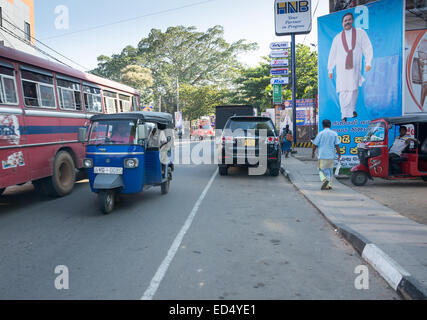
<point x="279" y="45"/>
<point x="292" y="17"/>
<point x="279" y="54"/>
<point x="279" y="63"/>
<point x="279" y="81"/>
<point x="277" y="94"/>
<point x="279" y="72"/>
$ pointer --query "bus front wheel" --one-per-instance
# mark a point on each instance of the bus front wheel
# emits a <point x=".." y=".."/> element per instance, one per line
<point x="1" y="191"/>
<point x="64" y="174"/>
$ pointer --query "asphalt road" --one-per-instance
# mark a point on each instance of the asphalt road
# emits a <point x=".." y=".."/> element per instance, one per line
<point x="211" y="237"/>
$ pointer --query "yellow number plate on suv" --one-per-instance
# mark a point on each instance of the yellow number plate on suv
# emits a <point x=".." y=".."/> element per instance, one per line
<point x="250" y="143"/>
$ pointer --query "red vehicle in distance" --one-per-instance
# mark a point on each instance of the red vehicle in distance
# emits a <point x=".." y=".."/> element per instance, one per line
<point x="203" y="132"/>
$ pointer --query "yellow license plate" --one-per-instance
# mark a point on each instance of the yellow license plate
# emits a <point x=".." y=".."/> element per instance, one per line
<point x="250" y="143"/>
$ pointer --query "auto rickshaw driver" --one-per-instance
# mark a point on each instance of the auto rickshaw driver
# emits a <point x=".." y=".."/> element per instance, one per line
<point x="399" y="145"/>
<point x="124" y="134"/>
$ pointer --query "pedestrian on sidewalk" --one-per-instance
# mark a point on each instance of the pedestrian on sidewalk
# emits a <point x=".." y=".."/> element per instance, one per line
<point x="327" y="141"/>
<point x="286" y="138"/>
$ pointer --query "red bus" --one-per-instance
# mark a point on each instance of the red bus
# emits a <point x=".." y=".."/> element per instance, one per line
<point x="42" y="105"/>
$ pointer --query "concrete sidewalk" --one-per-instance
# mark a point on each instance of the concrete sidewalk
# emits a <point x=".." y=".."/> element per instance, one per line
<point x="393" y="244"/>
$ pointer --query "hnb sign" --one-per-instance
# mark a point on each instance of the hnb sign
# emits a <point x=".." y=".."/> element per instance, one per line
<point x="292" y="17"/>
<point x="292" y="7"/>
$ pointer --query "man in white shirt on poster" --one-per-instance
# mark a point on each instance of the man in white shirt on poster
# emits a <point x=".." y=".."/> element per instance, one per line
<point x="347" y="51"/>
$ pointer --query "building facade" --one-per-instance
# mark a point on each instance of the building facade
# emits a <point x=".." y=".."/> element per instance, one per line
<point x="17" y="25"/>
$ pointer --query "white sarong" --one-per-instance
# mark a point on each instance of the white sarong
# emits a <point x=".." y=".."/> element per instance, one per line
<point x="348" y="101"/>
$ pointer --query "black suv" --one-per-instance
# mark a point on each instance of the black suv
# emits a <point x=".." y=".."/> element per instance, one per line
<point x="249" y="142"/>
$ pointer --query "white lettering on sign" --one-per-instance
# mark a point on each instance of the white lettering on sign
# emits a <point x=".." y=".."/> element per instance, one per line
<point x="362" y="17"/>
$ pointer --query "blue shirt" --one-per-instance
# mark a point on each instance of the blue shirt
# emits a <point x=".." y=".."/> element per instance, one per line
<point x="326" y="140"/>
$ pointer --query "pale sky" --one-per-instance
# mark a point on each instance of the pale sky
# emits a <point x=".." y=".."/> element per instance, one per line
<point x="252" y="20"/>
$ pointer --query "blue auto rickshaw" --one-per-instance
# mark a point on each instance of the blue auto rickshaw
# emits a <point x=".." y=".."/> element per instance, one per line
<point x="128" y="153"/>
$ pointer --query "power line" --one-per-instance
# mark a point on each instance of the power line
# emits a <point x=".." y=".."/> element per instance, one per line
<point x="130" y="19"/>
<point x="34" y="47"/>
<point x="31" y="37"/>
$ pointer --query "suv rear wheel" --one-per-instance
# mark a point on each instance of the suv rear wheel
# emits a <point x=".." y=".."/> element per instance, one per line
<point x="274" y="172"/>
<point x="223" y="171"/>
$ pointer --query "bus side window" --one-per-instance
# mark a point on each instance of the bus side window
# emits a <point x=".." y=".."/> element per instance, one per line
<point x="8" y="93"/>
<point x="135" y="106"/>
<point x="92" y="99"/>
<point x="69" y="94"/>
<point x="38" y="89"/>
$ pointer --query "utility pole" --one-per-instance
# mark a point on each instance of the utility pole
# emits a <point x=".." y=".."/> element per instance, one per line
<point x="294" y="90"/>
<point x="177" y="94"/>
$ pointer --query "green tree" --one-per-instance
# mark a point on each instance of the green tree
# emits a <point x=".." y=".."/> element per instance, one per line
<point x="253" y="84"/>
<point x="139" y="78"/>
<point x="179" y="56"/>
<point x="198" y="101"/>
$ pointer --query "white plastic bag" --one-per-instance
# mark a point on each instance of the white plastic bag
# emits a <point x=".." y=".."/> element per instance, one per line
<point x="337" y="170"/>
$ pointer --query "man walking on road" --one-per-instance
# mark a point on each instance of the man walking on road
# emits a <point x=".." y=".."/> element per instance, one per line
<point x="328" y="142"/>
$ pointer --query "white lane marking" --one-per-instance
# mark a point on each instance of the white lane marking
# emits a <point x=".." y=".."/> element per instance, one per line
<point x="163" y="268"/>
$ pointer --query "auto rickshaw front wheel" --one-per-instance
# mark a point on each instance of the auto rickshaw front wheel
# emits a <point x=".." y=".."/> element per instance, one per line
<point x="359" y="178"/>
<point x="106" y="200"/>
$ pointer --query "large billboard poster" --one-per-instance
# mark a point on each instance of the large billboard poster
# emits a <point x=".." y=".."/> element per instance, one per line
<point x="416" y="72"/>
<point x="360" y="69"/>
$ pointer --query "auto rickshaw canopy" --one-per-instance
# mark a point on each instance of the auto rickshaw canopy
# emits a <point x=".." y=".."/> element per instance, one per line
<point x="421" y="118"/>
<point x="164" y="120"/>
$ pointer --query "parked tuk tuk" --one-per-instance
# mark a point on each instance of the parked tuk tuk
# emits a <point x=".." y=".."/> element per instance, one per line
<point x="374" y="151"/>
<point x="128" y="153"/>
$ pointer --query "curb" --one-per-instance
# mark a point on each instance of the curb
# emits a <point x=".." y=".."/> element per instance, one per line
<point x="397" y="277"/>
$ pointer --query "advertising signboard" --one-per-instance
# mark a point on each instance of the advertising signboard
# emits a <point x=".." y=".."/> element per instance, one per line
<point x="359" y="85"/>
<point x="416" y="72"/>
<point x="279" y="45"/>
<point x="279" y="72"/>
<point x="277" y="94"/>
<point x="279" y="54"/>
<point x="279" y="63"/>
<point x="279" y="81"/>
<point x="292" y="17"/>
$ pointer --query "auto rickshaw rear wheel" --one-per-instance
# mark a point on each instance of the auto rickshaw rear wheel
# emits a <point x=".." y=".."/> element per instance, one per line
<point x="359" y="178"/>
<point x="106" y="200"/>
<point x="165" y="185"/>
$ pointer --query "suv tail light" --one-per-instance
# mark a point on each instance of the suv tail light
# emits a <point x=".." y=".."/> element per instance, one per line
<point x="227" y="139"/>
<point x="272" y="140"/>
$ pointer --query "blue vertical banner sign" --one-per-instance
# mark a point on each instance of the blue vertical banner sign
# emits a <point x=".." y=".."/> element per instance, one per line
<point x="360" y="69"/>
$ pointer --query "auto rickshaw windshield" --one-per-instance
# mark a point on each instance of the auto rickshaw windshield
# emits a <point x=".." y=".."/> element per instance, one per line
<point x="376" y="132"/>
<point x="112" y="132"/>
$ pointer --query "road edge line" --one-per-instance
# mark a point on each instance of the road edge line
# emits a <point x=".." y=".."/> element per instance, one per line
<point x="408" y="287"/>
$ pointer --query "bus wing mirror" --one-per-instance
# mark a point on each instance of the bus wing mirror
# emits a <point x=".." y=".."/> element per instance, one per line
<point x="143" y="132"/>
<point x="82" y="135"/>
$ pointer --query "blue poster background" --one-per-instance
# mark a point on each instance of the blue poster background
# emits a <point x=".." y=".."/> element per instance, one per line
<point x="381" y="93"/>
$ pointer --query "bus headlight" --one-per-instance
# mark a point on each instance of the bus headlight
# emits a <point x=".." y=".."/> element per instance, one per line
<point x="88" y="163"/>
<point x="131" y="163"/>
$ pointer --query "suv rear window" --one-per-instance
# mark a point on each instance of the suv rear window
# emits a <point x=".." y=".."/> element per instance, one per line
<point x="251" y="124"/>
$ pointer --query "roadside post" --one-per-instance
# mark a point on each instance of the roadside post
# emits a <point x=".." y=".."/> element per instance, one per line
<point x="292" y="18"/>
